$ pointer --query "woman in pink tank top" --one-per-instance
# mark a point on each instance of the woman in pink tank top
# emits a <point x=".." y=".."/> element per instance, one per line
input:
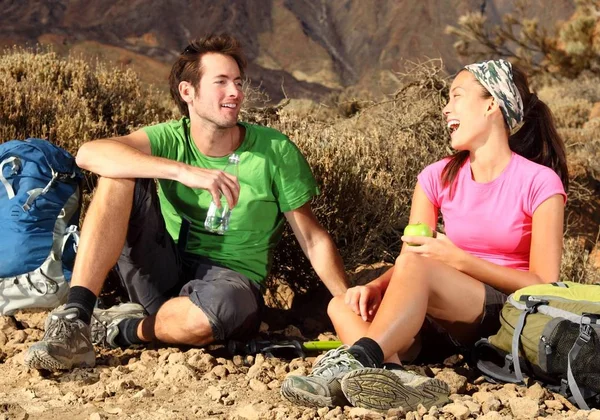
<point x="502" y="198"/>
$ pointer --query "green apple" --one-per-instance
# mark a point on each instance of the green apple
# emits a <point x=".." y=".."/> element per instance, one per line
<point x="417" y="229"/>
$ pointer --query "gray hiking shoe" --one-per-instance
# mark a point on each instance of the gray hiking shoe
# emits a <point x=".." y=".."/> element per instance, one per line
<point x="66" y="343"/>
<point x="322" y="387"/>
<point x="382" y="389"/>
<point x="105" y="322"/>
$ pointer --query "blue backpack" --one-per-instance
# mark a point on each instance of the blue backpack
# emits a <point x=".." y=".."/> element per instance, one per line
<point x="40" y="202"/>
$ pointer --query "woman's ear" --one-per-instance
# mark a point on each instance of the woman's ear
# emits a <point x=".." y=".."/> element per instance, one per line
<point x="493" y="106"/>
<point x="186" y="91"/>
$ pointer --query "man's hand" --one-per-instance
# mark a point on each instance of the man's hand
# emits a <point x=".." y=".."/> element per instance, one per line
<point x="212" y="180"/>
<point x="364" y="300"/>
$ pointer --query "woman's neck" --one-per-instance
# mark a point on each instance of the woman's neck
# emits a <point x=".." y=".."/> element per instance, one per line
<point x="489" y="160"/>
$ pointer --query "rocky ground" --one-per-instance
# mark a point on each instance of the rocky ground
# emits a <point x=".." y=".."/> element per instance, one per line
<point x="173" y="383"/>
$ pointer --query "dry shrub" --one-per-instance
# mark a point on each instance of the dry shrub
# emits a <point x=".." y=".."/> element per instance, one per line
<point x="586" y="87"/>
<point x="366" y="166"/>
<point x="576" y="264"/>
<point x="571" y="100"/>
<point x="68" y="102"/>
<point x="365" y="154"/>
<point x="583" y="146"/>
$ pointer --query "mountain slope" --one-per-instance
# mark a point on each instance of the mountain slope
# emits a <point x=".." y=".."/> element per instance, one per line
<point x="305" y="47"/>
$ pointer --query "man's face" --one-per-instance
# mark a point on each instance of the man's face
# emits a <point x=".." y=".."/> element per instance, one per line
<point x="219" y="96"/>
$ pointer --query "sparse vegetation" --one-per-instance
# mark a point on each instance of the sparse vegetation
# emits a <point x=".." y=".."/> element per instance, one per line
<point x="365" y="154"/>
<point x="565" y="51"/>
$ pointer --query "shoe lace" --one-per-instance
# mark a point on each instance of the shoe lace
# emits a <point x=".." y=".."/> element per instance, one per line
<point x="99" y="330"/>
<point x="335" y="361"/>
<point x="60" y="328"/>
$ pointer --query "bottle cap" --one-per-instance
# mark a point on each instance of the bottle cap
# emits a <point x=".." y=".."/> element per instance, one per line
<point x="234" y="158"/>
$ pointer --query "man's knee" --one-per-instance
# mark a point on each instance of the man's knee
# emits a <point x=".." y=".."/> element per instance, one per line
<point x="230" y="312"/>
<point x="113" y="196"/>
<point x="196" y="323"/>
<point x="124" y="186"/>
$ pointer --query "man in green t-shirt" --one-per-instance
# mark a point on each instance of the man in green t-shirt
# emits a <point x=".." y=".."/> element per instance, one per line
<point x="187" y="285"/>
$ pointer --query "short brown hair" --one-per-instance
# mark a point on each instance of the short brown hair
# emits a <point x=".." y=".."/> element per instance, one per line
<point x="187" y="67"/>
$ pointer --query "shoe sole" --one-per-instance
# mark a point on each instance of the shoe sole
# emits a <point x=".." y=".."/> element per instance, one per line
<point x="380" y="390"/>
<point x="300" y="397"/>
<point x="41" y="360"/>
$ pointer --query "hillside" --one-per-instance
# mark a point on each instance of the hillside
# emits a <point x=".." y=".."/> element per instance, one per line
<point x="308" y="47"/>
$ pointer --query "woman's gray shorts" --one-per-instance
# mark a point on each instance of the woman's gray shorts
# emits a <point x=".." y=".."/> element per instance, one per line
<point x="153" y="270"/>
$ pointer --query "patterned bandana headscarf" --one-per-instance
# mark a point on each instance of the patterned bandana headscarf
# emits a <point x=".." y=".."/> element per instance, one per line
<point x="497" y="77"/>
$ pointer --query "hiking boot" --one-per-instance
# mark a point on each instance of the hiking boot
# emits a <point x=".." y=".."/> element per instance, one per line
<point x="66" y="343"/>
<point x="322" y="387"/>
<point x="382" y="389"/>
<point x="105" y="322"/>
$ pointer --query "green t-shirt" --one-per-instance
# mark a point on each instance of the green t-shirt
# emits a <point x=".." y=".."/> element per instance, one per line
<point x="274" y="178"/>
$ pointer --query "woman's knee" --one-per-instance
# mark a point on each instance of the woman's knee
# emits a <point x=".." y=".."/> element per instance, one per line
<point x="335" y="306"/>
<point x="412" y="265"/>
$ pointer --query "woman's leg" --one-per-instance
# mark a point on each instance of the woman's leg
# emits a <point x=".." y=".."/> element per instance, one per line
<point x="421" y="286"/>
<point x="418" y="286"/>
<point x="349" y="326"/>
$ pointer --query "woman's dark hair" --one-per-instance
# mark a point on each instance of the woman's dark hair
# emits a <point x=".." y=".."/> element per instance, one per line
<point x="537" y="140"/>
<point x="187" y="67"/>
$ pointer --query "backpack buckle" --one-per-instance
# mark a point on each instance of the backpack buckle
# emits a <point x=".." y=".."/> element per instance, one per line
<point x="590" y="318"/>
<point x="532" y="302"/>
<point x="585" y="333"/>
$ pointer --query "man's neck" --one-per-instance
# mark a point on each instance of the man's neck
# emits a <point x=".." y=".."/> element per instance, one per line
<point x="213" y="141"/>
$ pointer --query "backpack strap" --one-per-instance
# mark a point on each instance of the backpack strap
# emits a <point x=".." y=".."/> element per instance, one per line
<point x="36" y="192"/>
<point x="585" y="334"/>
<point x="71" y="231"/>
<point x="16" y="165"/>
<point x="515" y="344"/>
<point x="184" y="233"/>
<point x="531" y="306"/>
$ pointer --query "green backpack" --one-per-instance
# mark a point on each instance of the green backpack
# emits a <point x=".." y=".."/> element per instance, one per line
<point x="550" y="333"/>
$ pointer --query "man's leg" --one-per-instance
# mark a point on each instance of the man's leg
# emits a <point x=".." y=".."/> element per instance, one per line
<point x="67" y="341"/>
<point x="149" y="268"/>
<point x="220" y="304"/>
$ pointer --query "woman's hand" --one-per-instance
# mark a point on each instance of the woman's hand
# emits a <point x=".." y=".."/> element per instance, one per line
<point x="439" y="247"/>
<point x="364" y="300"/>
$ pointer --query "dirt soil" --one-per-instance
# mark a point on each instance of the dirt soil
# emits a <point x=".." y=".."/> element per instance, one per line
<point x="175" y="383"/>
<point x="190" y="383"/>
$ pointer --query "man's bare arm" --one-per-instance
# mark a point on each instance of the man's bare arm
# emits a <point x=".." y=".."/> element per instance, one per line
<point x="319" y="248"/>
<point x="130" y="157"/>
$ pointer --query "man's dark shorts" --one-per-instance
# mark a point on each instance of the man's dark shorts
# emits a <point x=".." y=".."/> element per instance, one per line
<point x="153" y="270"/>
<point x="437" y="344"/>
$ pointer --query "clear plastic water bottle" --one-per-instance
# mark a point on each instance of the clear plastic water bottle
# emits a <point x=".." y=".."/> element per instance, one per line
<point x="217" y="219"/>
